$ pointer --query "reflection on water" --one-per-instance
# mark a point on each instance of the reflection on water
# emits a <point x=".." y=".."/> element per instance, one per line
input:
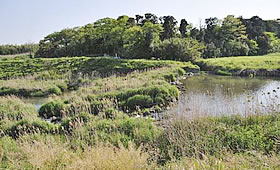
<point x="36" y="101"/>
<point x="218" y="95"/>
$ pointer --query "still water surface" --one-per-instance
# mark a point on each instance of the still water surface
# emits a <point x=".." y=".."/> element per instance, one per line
<point x="219" y="95"/>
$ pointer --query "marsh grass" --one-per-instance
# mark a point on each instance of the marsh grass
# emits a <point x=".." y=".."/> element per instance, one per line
<point x="29" y="87"/>
<point x="55" y="153"/>
<point x="95" y="132"/>
<point x="84" y="141"/>
<point x="109" y="95"/>
<point x="230" y="161"/>
<point x="13" y="108"/>
<point x="133" y="80"/>
<point x="212" y="136"/>
<point x="209" y="143"/>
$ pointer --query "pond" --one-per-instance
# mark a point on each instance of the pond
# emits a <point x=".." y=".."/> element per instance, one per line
<point x="211" y="95"/>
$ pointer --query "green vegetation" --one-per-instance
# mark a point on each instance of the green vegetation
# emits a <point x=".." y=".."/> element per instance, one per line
<point x="127" y="142"/>
<point x="30" y="87"/>
<point x="104" y="66"/>
<point x="137" y="93"/>
<point x="103" y="119"/>
<point x="18" y="49"/>
<point x="259" y="65"/>
<point x="160" y="37"/>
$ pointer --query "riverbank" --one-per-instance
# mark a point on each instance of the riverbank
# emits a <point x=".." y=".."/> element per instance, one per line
<point x="267" y="65"/>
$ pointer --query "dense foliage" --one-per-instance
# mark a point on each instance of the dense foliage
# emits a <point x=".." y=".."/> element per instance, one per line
<point x="149" y="36"/>
<point x="18" y="49"/>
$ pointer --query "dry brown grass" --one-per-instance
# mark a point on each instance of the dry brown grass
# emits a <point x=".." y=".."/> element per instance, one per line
<point x="47" y="154"/>
<point x="110" y="158"/>
<point x="50" y="153"/>
<point x="229" y="161"/>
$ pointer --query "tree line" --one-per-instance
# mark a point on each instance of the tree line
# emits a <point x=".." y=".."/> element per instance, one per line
<point x="164" y="37"/>
<point x="10" y="49"/>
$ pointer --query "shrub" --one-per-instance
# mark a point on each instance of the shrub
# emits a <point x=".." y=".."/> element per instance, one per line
<point x="62" y="86"/>
<point x="170" y="77"/>
<point x="183" y="49"/>
<point x="26" y="127"/>
<point x="181" y="71"/>
<point x="143" y="101"/>
<point x="53" y="108"/>
<point x="55" y="90"/>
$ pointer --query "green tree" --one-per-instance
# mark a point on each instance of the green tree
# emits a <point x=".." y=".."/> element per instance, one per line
<point x="183" y="49"/>
<point x="140" y="42"/>
<point x="274" y="42"/>
<point x="183" y="28"/>
<point x="169" y="27"/>
<point x="233" y="34"/>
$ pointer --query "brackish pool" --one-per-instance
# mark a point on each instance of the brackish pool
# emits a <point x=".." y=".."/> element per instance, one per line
<point x="210" y="95"/>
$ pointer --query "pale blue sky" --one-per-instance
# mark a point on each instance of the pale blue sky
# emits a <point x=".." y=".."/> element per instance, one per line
<point x="24" y="21"/>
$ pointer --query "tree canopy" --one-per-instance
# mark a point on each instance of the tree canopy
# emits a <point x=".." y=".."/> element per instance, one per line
<point x="146" y="36"/>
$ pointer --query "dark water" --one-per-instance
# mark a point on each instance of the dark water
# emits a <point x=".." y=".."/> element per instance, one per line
<point x="220" y="95"/>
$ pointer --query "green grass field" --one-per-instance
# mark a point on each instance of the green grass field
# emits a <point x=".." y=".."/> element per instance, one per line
<point x="234" y="64"/>
<point x="10" y="68"/>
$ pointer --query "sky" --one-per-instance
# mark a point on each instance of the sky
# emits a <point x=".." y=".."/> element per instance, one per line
<point x="28" y="21"/>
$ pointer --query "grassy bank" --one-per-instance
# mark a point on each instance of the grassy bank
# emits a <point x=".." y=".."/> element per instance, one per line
<point x="104" y="66"/>
<point x="30" y="87"/>
<point x="42" y="77"/>
<point x="267" y="65"/>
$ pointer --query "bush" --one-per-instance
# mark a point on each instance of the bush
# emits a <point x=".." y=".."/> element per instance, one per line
<point x="143" y="101"/>
<point x="26" y="127"/>
<point x="55" y="90"/>
<point x="53" y="108"/>
<point x="170" y="77"/>
<point x="183" y="49"/>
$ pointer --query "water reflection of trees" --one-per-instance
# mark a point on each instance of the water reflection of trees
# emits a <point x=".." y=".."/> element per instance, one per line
<point x="228" y="86"/>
